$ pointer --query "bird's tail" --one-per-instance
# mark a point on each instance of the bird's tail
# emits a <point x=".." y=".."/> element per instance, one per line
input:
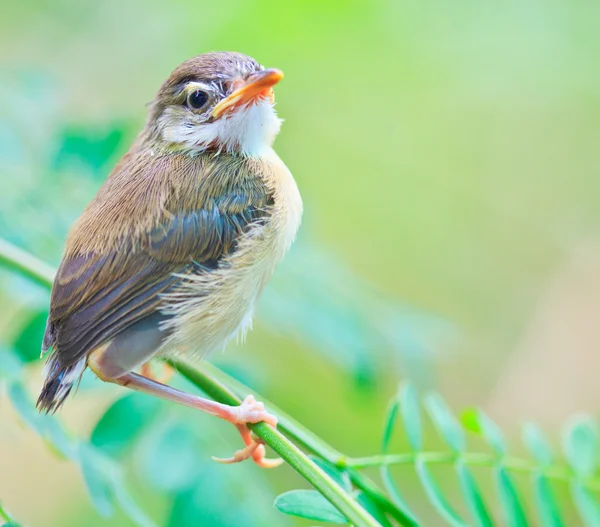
<point x="59" y="381"/>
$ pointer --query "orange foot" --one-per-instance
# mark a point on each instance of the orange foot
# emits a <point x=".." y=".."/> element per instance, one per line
<point x="252" y="411"/>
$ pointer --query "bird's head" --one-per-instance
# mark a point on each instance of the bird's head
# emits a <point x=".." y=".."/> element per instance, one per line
<point x="219" y="101"/>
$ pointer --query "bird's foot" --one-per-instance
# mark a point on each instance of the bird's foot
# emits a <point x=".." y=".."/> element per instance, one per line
<point x="251" y="411"/>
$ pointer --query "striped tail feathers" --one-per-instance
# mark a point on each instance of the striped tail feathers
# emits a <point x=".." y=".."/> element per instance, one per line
<point x="59" y="381"/>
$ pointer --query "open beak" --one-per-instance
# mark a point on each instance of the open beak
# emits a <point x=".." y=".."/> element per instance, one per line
<point x="257" y="86"/>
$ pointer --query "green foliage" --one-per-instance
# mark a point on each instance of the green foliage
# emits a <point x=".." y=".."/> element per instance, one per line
<point x="103" y="477"/>
<point x="122" y="423"/>
<point x="309" y="504"/>
<point x="579" y="472"/>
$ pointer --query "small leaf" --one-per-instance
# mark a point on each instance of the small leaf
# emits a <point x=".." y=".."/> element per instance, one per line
<point x="445" y="422"/>
<point x="371" y="507"/>
<point x="410" y="519"/>
<point x="25" y="409"/>
<point x="546" y="503"/>
<point x="28" y="344"/>
<point x="309" y="504"/>
<point x="586" y="505"/>
<point x="390" y="422"/>
<point x="99" y="488"/>
<point x="535" y="441"/>
<point x="480" y="423"/>
<point x="10" y="364"/>
<point x="511" y="506"/>
<point x="411" y="415"/>
<point x="128" y="505"/>
<point x="170" y="457"/>
<point x="581" y="445"/>
<point x="64" y="446"/>
<point x="436" y="497"/>
<point x="469" y="418"/>
<point x="338" y="475"/>
<point x="386" y="477"/>
<point x="123" y="422"/>
<point x="8" y="517"/>
<point x="473" y="497"/>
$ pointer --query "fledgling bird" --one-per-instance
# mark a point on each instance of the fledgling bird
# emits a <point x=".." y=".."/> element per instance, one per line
<point x="177" y="245"/>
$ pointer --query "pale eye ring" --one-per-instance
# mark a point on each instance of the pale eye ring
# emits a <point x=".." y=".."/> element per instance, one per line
<point x="197" y="99"/>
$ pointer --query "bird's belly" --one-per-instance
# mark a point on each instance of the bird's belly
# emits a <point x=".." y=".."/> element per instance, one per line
<point x="212" y="308"/>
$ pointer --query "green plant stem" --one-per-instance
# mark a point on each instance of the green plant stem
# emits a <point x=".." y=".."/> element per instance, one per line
<point x="284" y="447"/>
<point x="5" y="516"/>
<point x="25" y="263"/>
<point x="293" y="428"/>
<point x="313" y="443"/>
<point x="515" y="464"/>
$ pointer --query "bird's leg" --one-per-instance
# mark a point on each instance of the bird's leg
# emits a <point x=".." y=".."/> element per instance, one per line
<point x="250" y="411"/>
<point x="165" y="375"/>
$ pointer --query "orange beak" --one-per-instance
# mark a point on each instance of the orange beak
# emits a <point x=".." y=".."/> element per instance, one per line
<point x="257" y="86"/>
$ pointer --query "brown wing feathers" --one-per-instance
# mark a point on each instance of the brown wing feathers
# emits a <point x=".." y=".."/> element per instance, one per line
<point x="155" y="217"/>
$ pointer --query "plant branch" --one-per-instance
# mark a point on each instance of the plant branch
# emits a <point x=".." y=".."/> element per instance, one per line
<point x="311" y="442"/>
<point x="515" y="464"/>
<point x="288" y="424"/>
<point x="5" y="516"/>
<point x="284" y="447"/>
<point x="25" y="263"/>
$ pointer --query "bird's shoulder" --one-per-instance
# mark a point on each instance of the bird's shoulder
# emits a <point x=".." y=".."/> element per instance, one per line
<point x="146" y="191"/>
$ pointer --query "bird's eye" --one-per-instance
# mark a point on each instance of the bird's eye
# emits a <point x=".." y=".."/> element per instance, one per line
<point x="197" y="99"/>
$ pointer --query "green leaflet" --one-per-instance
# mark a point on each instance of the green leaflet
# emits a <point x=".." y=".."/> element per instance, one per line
<point x="511" y="505"/>
<point x="581" y="444"/>
<point x="537" y="444"/>
<point x="309" y="504"/>
<point x="586" y="504"/>
<point x="390" y="423"/>
<point x="371" y="507"/>
<point x="338" y="475"/>
<point x="411" y="415"/>
<point x="436" y="497"/>
<point x="545" y="502"/>
<point x="386" y="477"/>
<point x="472" y="496"/>
<point x="445" y="422"/>
<point x="123" y="422"/>
<point x="480" y="423"/>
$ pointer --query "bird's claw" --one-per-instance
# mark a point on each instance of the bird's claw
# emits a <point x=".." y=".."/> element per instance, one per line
<point x="251" y="411"/>
<point x="255" y="450"/>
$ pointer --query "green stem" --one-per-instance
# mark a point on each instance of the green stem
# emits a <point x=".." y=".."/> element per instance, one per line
<point x="365" y="484"/>
<point x="4" y="515"/>
<point x="284" y="447"/>
<point x="288" y="424"/>
<point x="30" y="266"/>
<point x="515" y="464"/>
<point x="25" y="263"/>
<point x="314" y="444"/>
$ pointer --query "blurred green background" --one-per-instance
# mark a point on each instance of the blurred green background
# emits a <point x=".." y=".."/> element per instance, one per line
<point x="448" y="157"/>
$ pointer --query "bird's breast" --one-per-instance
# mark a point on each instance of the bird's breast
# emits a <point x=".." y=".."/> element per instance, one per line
<point x="213" y="307"/>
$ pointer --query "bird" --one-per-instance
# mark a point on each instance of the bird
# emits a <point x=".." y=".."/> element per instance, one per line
<point x="173" y="252"/>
